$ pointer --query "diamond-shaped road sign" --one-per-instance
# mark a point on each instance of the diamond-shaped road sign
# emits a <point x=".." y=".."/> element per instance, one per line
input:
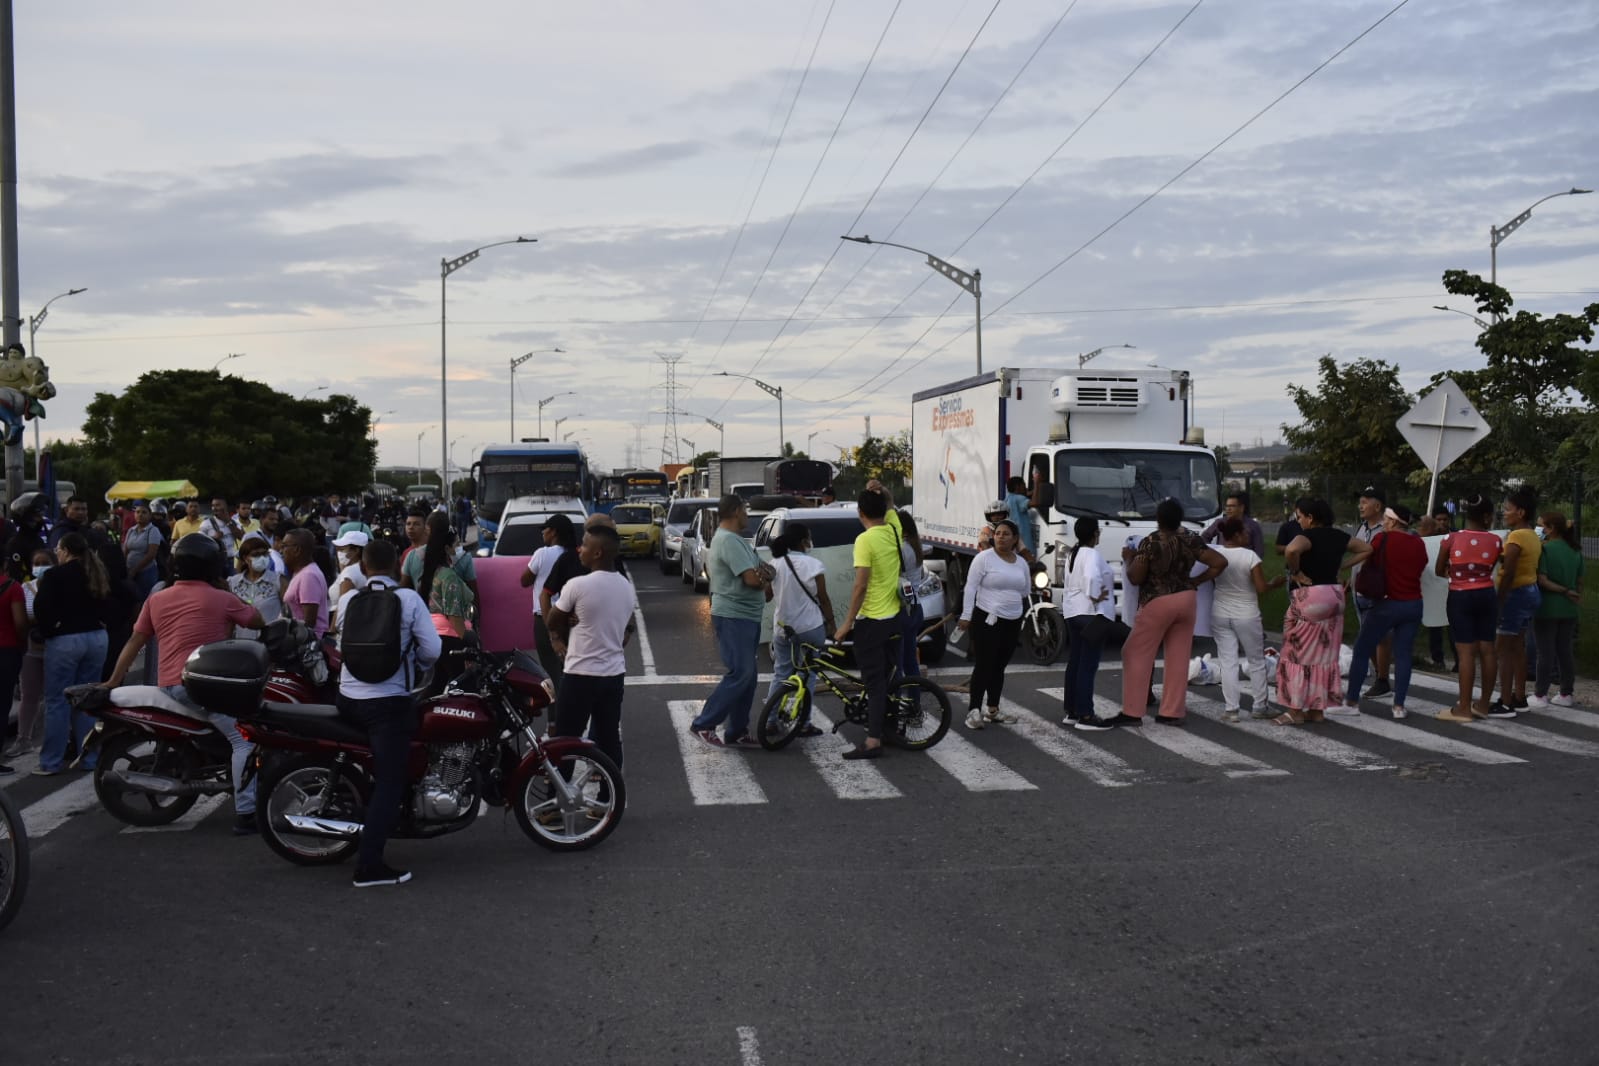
<point x="1443" y="426"/>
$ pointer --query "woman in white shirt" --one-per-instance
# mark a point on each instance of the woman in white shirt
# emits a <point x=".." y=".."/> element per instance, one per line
<point x="799" y="601"/>
<point x="1235" y="620"/>
<point x="996" y="599"/>
<point x="1090" y="594"/>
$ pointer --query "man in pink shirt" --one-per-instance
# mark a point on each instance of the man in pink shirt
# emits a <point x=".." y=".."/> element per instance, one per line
<point x="190" y="613"/>
<point x="306" y="599"/>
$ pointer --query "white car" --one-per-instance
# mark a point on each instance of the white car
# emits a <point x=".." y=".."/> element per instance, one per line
<point x="696" y="545"/>
<point x="833" y="533"/>
<point x="678" y="517"/>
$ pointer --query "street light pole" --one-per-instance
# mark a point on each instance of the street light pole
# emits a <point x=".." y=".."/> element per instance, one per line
<point x="225" y="358"/>
<point x="518" y="361"/>
<point x="374" y="431"/>
<point x="446" y="268"/>
<point x="419" y="437"/>
<point x="809" y="437"/>
<point x="307" y="394"/>
<point x="692" y="450"/>
<point x="774" y="390"/>
<point x="1480" y="323"/>
<point x="1082" y="360"/>
<point x="565" y="418"/>
<point x="545" y="403"/>
<point x="972" y="282"/>
<point x="721" y="444"/>
<point x="1496" y="234"/>
<point x="34" y="322"/>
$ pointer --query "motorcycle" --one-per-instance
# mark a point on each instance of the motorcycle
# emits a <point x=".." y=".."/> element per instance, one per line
<point x="158" y="756"/>
<point x="476" y="745"/>
<point x="1043" y="628"/>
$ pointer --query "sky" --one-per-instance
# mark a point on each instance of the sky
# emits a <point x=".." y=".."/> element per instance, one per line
<point x="282" y="181"/>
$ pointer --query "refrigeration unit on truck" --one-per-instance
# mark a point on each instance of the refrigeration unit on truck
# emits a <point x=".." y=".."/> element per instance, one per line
<point x="1107" y="443"/>
<point x="725" y="473"/>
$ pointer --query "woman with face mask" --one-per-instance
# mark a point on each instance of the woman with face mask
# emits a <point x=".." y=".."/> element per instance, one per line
<point x="256" y="583"/>
<point x="350" y="578"/>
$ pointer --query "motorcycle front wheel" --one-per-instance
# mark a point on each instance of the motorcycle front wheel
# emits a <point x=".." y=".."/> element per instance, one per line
<point x="299" y="786"/>
<point x="1043" y="636"/>
<point x="13" y="861"/>
<point x="141" y="754"/>
<point x="601" y="799"/>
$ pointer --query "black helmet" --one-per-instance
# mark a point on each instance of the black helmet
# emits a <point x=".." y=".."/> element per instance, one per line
<point x="28" y="503"/>
<point x="196" y="557"/>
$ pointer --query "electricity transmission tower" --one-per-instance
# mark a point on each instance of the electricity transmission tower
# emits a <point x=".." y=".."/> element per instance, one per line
<point x="669" y="445"/>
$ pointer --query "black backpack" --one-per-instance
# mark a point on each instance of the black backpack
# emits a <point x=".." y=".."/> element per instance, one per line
<point x="372" y="631"/>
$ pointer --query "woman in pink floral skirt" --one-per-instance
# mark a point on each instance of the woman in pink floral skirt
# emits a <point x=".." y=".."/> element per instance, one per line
<point x="1308" y="677"/>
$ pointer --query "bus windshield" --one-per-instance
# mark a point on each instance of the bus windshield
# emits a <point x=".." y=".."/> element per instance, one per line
<point x="1124" y="483"/>
<point x="504" y="478"/>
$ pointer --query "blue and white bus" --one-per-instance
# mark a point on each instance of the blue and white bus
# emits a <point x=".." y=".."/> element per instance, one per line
<point x="504" y="472"/>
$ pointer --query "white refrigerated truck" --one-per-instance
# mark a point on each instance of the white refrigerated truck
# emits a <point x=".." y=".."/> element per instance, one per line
<point x="1107" y="443"/>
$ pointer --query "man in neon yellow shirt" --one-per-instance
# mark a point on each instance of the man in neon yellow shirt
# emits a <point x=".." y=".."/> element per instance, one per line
<point x="873" y="614"/>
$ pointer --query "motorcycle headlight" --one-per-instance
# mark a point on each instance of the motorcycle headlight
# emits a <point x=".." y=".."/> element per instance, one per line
<point x="1041" y="580"/>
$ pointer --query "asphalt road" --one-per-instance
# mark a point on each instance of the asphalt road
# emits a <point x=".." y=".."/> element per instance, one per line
<point x="1020" y="894"/>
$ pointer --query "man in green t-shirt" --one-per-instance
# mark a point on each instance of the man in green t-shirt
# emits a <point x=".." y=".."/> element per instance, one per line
<point x="873" y="614"/>
<point x="740" y="586"/>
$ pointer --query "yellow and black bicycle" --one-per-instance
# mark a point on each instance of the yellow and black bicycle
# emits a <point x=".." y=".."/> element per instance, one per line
<point x="918" y="708"/>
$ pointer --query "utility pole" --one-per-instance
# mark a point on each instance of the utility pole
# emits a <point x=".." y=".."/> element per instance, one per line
<point x="11" y="299"/>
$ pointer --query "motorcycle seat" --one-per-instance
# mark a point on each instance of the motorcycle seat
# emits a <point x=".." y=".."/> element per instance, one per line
<point x="319" y="720"/>
<point x="154" y="696"/>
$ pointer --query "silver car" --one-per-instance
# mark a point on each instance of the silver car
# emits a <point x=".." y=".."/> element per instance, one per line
<point x="678" y="517"/>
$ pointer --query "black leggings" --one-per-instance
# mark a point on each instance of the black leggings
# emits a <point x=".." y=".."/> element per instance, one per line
<point x="992" y="647"/>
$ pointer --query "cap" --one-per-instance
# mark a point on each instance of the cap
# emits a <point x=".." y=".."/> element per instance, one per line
<point x="1374" y="493"/>
<point x="997" y="507"/>
<point x="1400" y="513"/>
<point x="353" y="539"/>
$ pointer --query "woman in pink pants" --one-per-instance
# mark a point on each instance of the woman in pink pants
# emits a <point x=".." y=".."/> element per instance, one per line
<point x="1167" y="606"/>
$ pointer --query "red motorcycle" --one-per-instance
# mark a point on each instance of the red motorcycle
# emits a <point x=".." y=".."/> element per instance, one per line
<point x="476" y="746"/>
<point x="157" y="757"/>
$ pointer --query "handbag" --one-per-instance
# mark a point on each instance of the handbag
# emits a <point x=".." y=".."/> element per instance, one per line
<point x="1372" y="581"/>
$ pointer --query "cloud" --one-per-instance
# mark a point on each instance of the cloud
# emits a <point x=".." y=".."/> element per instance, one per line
<point x="630" y="160"/>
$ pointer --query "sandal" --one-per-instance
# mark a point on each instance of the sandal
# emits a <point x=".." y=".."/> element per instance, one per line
<point x="1454" y="714"/>
<point x="1287" y="718"/>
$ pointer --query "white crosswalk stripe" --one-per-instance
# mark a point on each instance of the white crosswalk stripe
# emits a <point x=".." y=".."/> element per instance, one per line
<point x="1510" y="729"/>
<point x="47" y="815"/>
<point x="849" y="780"/>
<point x="191" y="818"/>
<point x="1304" y="741"/>
<point x="973" y="767"/>
<point x="1180" y="741"/>
<point x="23" y="765"/>
<point x="715" y="777"/>
<point x="1446" y="687"/>
<point x="1418" y="737"/>
<point x="1071" y="751"/>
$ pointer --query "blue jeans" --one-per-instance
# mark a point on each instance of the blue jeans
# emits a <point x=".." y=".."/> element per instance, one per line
<point x="783" y="653"/>
<point x="737" y="639"/>
<point x="243" y="800"/>
<point x="70" y="659"/>
<point x="915" y="620"/>
<point x="1402" y="618"/>
<point x="1082" y="663"/>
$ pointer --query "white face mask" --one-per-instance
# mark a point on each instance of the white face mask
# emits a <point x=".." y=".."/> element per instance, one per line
<point x="258" y="563"/>
<point x="38" y="571"/>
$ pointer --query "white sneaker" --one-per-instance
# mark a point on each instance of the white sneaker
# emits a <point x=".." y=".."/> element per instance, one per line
<point x="1562" y="700"/>
<point x="1399" y="712"/>
<point x="1537" y="701"/>
<point x="975" y="719"/>
<point x="999" y="717"/>
<point x="1342" y="710"/>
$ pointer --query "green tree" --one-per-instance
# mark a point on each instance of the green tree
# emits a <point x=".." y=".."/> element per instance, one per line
<point x="1538" y="389"/>
<point x="887" y="459"/>
<point x="1349" y="421"/>
<point x="230" y="435"/>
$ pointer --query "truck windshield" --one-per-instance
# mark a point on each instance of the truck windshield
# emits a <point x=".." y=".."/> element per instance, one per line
<point x="1129" y="483"/>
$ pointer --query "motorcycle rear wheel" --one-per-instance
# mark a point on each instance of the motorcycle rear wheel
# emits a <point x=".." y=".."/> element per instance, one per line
<point x="539" y="814"/>
<point x="13" y="860"/>
<point x="138" y="753"/>
<point x="1043" y="645"/>
<point x="297" y="787"/>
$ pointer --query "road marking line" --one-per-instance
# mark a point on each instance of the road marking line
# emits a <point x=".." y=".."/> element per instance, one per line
<point x="1448" y="687"/>
<point x="1304" y="741"/>
<point x="856" y="780"/>
<point x="644" y="649"/>
<point x="50" y="813"/>
<point x="972" y="766"/>
<point x="191" y="818"/>
<point x="1421" y="738"/>
<point x="1511" y="729"/>
<point x="1070" y="750"/>
<point x="749" y="1048"/>
<point x="714" y="777"/>
<point x="1179" y="741"/>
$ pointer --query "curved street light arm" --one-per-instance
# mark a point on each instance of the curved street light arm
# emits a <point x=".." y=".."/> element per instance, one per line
<point x="1499" y="233"/>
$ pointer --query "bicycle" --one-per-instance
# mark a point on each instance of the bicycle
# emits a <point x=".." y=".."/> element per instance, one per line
<point x="13" y="860"/>
<point x="909" y="723"/>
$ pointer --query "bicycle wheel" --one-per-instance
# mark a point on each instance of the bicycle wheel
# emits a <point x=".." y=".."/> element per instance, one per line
<point x="13" y="860"/>
<point x="919" y="713"/>
<point x="785" y="711"/>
